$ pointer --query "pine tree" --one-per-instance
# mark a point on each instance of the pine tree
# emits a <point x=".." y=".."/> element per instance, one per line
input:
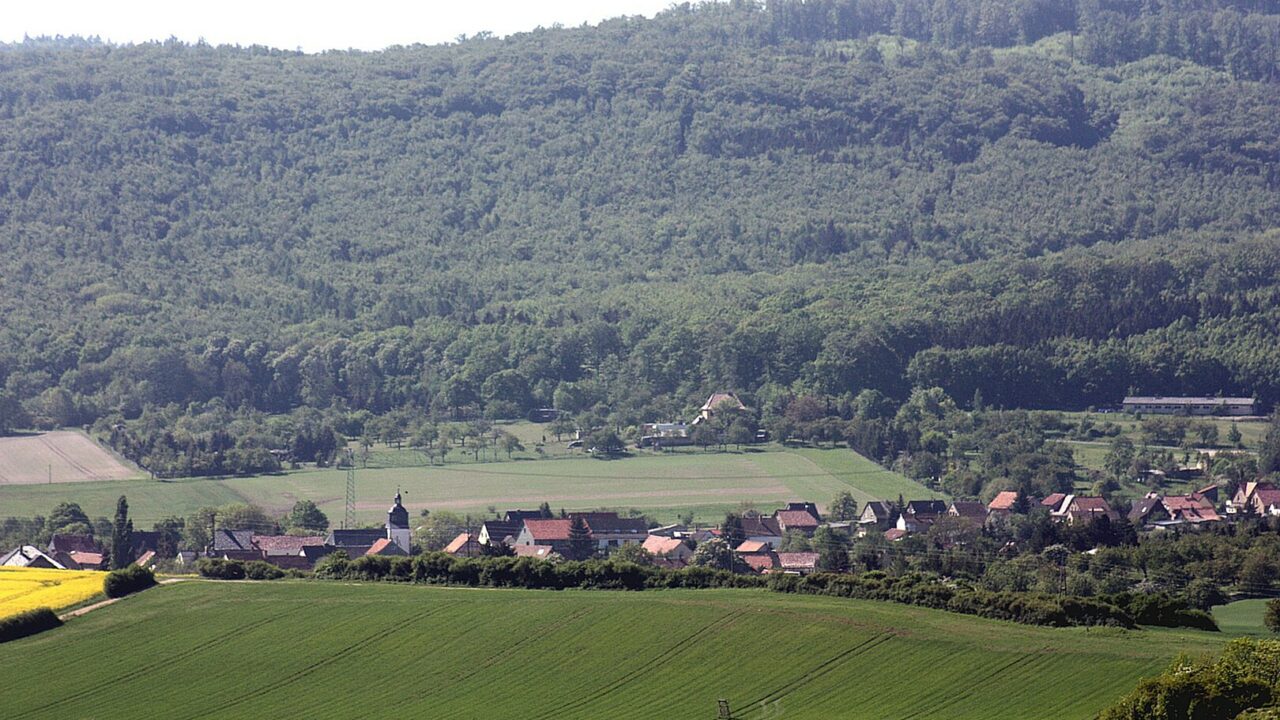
<point x="121" y="536"/>
<point x="580" y="545"/>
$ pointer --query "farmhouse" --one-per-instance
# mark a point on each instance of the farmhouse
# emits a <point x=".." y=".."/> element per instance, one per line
<point x="550" y="533"/>
<point x="797" y="520"/>
<point x="1084" y="509"/>
<point x="673" y="552"/>
<point x="465" y="545"/>
<point x="970" y="511"/>
<point x="1157" y="405"/>
<point x="716" y="403"/>
<point x="29" y="556"/>
<point x="507" y="529"/>
<point x="1257" y="498"/>
<point x="609" y="531"/>
<point x="234" y="545"/>
<point x="1004" y="504"/>
<point x="877" y="515"/>
<point x="762" y="529"/>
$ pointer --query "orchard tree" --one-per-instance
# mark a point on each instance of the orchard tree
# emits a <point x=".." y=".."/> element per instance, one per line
<point x="843" y="507"/>
<point x="306" y="516"/>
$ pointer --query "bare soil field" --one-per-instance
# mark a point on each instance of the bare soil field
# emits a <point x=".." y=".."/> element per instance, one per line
<point x="62" y="456"/>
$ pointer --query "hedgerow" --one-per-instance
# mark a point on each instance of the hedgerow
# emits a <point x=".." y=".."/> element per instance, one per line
<point x="28" y="622"/>
<point x="127" y="581"/>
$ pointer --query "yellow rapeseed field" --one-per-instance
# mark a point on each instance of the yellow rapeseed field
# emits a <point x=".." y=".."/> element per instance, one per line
<point x="28" y="588"/>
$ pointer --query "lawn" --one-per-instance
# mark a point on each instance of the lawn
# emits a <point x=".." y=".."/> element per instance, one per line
<point x="1242" y="617"/>
<point x="312" y="649"/>
<point x="665" y="485"/>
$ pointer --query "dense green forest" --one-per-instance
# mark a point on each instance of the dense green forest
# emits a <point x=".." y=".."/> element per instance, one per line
<point x="1043" y="202"/>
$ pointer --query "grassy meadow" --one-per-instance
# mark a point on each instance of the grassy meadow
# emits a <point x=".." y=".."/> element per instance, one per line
<point x="298" y="649"/>
<point x="662" y="484"/>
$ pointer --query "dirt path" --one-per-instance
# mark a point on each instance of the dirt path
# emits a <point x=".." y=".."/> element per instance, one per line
<point x="103" y="603"/>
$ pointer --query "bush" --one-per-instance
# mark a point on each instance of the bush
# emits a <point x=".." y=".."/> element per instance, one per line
<point x="28" y="622"/>
<point x="260" y="570"/>
<point x="127" y="581"/>
<point x="220" y="569"/>
<point x="1163" y="610"/>
<point x="1240" y="679"/>
<point x="1271" y="618"/>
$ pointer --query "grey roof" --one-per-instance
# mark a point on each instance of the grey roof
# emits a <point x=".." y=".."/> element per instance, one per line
<point x="926" y="507"/>
<point x="224" y="540"/>
<point x="363" y="537"/>
<point x="879" y="508"/>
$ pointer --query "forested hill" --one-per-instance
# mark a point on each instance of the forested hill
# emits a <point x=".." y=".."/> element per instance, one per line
<point x="1053" y="202"/>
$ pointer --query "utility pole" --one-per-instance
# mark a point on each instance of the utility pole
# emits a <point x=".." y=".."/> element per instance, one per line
<point x="349" y="522"/>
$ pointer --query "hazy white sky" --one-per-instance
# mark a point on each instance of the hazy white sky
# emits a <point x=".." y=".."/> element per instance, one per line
<point x="313" y="26"/>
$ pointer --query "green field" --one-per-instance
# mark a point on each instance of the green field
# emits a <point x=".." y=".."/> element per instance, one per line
<point x="309" y="649"/>
<point x="1242" y="617"/>
<point x="708" y="483"/>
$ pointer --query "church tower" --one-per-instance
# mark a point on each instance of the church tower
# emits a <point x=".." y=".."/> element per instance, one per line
<point x="398" y="526"/>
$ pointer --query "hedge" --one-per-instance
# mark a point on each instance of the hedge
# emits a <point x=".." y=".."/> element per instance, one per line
<point x="27" y="623"/>
<point x="127" y="581"/>
<point x="220" y="569"/>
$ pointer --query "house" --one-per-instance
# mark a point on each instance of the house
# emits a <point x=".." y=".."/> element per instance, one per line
<point x="1210" y="493"/>
<point x="29" y="556"/>
<point x="797" y="520"/>
<point x="1158" y="405"/>
<point x="674" y="552"/>
<point x="538" y="552"/>
<point x="234" y="545"/>
<point x="507" y="529"/>
<point x="74" y="542"/>
<point x="1255" y="498"/>
<point x="76" y="560"/>
<point x="718" y="402"/>
<point x="761" y="562"/>
<point x="465" y="545"/>
<point x="1003" y="504"/>
<point x="285" y="545"/>
<point x="1053" y="502"/>
<point x="354" y="542"/>
<point x="552" y="533"/>
<point x="1085" y="509"/>
<point x="801" y="563"/>
<point x="761" y="528"/>
<point x="894" y="534"/>
<point x="1192" y="509"/>
<point x="919" y="515"/>
<point x="608" y="531"/>
<point x="1148" y="511"/>
<point x="969" y="511"/>
<point x="664" y="435"/>
<point x="385" y="546"/>
<point x="752" y="547"/>
<point x="877" y="515"/>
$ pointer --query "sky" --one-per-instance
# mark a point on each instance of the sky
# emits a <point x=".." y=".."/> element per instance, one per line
<point x="311" y="26"/>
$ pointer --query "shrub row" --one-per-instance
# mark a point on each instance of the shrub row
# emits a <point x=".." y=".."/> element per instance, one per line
<point x="28" y="622"/>
<point x="531" y="573"/>
<point x="220" y="569"/>
<point x="931" y="592"/>
<point x="127" y="581"/>
<point x="1162" y="610"/>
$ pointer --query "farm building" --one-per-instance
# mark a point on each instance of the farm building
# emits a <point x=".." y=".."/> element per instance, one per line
<point x="29" y="556"/>
<point x="552" y="533"/>
<point x="1157" y="405"/>
<point x="464" y="545"/>
<point x="717" y="402"/>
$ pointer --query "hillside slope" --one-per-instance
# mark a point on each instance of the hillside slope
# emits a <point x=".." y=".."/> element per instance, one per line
<point x="1054" y="204"/>
<point x="199" y="649"/>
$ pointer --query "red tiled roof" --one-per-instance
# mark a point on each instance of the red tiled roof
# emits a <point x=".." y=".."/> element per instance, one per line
<point x="893" y="534"/>
<point x="1004" y="500"/>
<point x="762" y="562"/>
<point x="1054" y="500"/>
<point x="798" y="561"/>
<point x="795" y="519"/>
<point x="458" y="543"/>
<point x="378" y="546"/>
<point x="658" y="545"/>
<point x="1267" y="496"/>
<point x="717" y="399"/>
<point x="748" y="547"/>
<point x="86" y="559"/>
<point x="548" y="529"/>
<point x="145" y="558"/>
<point x="285" y="544"/>
<point x="1084" y="503"/>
